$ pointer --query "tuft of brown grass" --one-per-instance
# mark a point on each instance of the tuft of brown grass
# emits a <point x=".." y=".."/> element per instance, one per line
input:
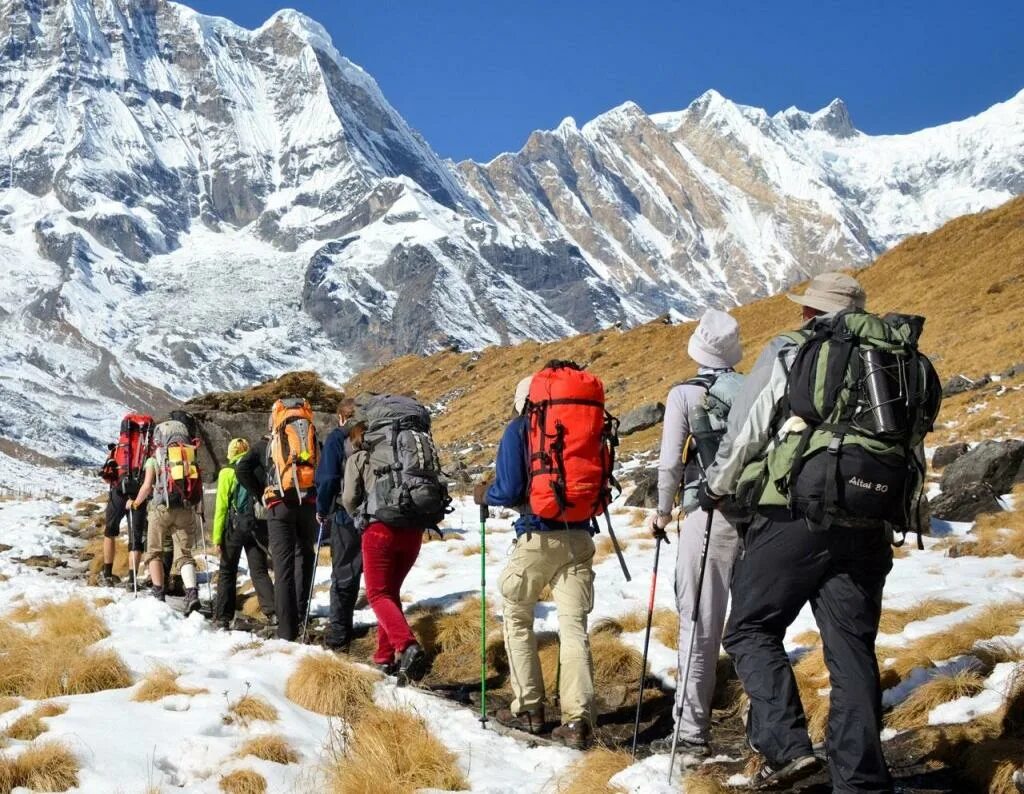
<point x="8" y="703"/>
<point x="390" y="751"/>
<point x="249" y="645"/>
<point x="604" y="548"/>
<point x="913" y="712"/>
<point x="325" y="684"/>
<point x="812" y="682"/>
<point x="469" y="549"/>
<point x="453" y="639"/>
<point x="250" y="708"/>
<point x="895" y="620"/>
<point x="270" y="747"/>
<point x="664" y="625"/>
<point x="807" y="639"/>
<point x="243" y="781"/>
<point x="46" y="766"/>
<point x="93" y="552"/>
<point x="31" y="726"/>
<point x="700" y="781"/>
<point x="590" y="773"/>
<point x="162" y="682"/>
<point x="997" y="534"/>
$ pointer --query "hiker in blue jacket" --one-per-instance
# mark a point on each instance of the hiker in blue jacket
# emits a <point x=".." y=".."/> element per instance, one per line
<point x="346" y="546"/>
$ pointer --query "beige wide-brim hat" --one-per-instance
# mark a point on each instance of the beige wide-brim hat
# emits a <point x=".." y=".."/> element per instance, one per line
<point x="522" y="394"/>
<point x="832" y="292"/>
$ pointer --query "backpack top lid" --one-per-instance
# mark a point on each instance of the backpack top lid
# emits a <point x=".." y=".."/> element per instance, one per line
<point x="382" y="410"/>
<point x="557" y="384"/>
<point x="172" y="432"/>
<point x="289" y="408"/>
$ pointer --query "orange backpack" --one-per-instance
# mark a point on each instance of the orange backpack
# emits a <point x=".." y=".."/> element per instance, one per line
<point x="293" y="450"/>
<point x="571" y="445"/>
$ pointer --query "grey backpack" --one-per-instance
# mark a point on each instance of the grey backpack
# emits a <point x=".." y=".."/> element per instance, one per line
<point x="708" y="421"/>
<point x="409" y="489"/>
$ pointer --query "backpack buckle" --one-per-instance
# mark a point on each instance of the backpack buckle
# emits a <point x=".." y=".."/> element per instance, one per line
<point x="835" y="444"/>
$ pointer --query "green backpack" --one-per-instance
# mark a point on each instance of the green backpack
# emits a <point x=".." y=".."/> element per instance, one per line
<point x="859" y="401"/>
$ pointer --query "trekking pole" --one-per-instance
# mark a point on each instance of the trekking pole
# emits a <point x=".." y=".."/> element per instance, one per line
<point x="312" y="582"/>
<point x="484" y="514"/>
<point x="131" y="542"/>
<point x="615" y="545"/>
<point x="206" y="558"/>
<point x="693" y="636"/>
<point x="647" y="643"/>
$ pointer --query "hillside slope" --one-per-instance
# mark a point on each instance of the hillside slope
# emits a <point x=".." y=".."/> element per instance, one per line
<point x="967" y="278"/>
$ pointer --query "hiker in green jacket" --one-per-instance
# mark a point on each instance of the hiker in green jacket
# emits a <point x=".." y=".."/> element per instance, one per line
<point x="239" y="523"/>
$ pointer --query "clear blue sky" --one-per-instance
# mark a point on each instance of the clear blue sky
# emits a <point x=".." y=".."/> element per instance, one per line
<point x="477" y="76"/>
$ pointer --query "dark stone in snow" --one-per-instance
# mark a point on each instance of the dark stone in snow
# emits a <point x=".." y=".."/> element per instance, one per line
<point x="646" y="492"/>
<point x="943" y="456"/>
<point x="994" y="463"/>
<point x="965" y="502"/>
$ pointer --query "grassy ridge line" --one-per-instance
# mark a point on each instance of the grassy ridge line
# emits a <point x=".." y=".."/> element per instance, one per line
<point x="967" y="278"/>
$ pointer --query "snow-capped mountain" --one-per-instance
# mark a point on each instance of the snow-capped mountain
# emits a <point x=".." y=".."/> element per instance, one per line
<point x="188" y="205"/>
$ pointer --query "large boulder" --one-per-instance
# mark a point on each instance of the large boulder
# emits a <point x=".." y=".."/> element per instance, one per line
<point x="959" y="384"/>
<point x="945" y="455"/>
<point x="965" y="502"/>
<point x="645" y="494"/>
<point x="994" y="463"/>
<point x="641" y="418"/>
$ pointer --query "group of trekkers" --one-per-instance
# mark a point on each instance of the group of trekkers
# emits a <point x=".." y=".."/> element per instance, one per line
<point x="788" y="485"/>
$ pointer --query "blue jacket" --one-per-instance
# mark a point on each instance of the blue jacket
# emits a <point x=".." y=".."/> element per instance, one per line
<point x="330" y="472"/>
<point x="512" y="481"/>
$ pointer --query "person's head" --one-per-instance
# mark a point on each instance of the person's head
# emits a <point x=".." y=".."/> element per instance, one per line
<point x="829" y="293"/>
<point x="356" y="430"/>
<point x="522" y="395"/>
<point x="715" y="342"/>
<point x="346" y="408"/>
<point x="236" y="447"/>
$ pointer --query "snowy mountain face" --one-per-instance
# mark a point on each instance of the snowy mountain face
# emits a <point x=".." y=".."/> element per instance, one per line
<point x="187" y="205"/>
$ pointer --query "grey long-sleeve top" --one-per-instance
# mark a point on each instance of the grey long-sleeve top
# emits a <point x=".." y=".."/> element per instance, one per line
<point x="675" y="430"/>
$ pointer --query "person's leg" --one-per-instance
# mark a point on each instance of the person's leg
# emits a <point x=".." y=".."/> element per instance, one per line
<point x="779" y="570"/>
<point x="520" y="584"/>
<point x="573" y="590"/>
<point x="227" y="576"/>
<point x="306" y="552"/>
<point x="693" y="697"/>
<point x="346" y="573"/>
<point x="158" y="528"/>
<point x="847" y="609"/>
<point x="137" y="541"/>
<point x="259" y="573"/>
<point x="280" y="528"/>
<point x="405" y="548"/>
<point x="183" y="535"/>
<point x="113" y="515"/>
<point x="376" y="553"/>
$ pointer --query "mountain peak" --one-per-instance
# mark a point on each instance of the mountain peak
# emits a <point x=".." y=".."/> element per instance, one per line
<point x="834" y="119"/>
<point x="306" y="28"/>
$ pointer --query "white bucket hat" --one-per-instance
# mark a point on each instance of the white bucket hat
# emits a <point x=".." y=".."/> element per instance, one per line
<point x="522" y="394"/>
<point x="715" y="341"/>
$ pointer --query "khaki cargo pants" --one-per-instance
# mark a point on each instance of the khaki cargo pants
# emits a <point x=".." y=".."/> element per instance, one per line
<point x="563" y="559"/>
<point x="179" y="523"/>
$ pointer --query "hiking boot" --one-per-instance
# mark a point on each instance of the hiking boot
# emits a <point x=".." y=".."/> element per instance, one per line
<point x="412" y="664"/>
<point x="782" y="777"/>
<point x="386" y="668"/>
<point x="687" y="748"/>
<point x="129" y="583"/>
<point x="575" y="734"/>
<point x="107" y="579"/>
<point x="192" y="601"/>
<point x="157" y="593"/>
<point x="531" y="722"/>
<point x="362" y="602"/>
<point x="224" y="624"/>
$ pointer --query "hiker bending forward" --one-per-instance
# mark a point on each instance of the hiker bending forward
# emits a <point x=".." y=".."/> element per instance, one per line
<point x="544" y="553"/>
<point x="388" y="555"/>
<point x="715" y="347"/>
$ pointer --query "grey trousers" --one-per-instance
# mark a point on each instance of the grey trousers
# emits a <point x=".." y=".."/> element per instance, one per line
<point x="693" y="697"/>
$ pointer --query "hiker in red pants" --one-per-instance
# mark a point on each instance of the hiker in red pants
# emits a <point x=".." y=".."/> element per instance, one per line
<point x="388" y="555"/>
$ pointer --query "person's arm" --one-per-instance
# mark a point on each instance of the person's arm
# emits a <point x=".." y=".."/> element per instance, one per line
<point x="147" y="486"/>
<point x="749" y="429"/>
<point x="353" y="490"/>
<point x="247" y="470"/>
<point x="329" y="473"/>
<point x="675" y="431"/>
<point x="225" y="484"/>
<point x="510" y="468"/>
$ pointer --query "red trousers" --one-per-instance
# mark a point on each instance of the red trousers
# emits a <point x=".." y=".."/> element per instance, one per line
<point x="388" y="556"/>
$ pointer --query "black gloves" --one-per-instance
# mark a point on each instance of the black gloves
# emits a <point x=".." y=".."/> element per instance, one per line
<point x="707" y="498"/>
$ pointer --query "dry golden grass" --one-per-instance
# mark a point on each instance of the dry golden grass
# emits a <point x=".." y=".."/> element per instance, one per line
<point x="270" y="747"/>
<point x="546" y="594"/>
<point x="46" y="766"/>
<point x="249" y="645"/>
<point x="162" y="682"/>
<point x="51" y="656"/>
<point x="997" y="534"/>
<point x="453" y="638"/>
<point x="664" y="625"/>
<point x="323" y="683"/>
<point x="250" y="606"/>
<point x="469" y="549"/>
<point x="390" y="751"/>
<point x="895" y="620"/>
<point x="701" y="781"/>
<point x="31" y="726"/>
<point x="604" y="548"/>
<point x="616" y="665"/>
<point x="590" y="773"/>
<point x="8" y="703"/>
<point x="812" y="683"/>
<point x="250" y="708"/>
<point x="93" y="552"/>
<point x="243" y="781"/>
<point x="913" y="712"/>
<point x="807" y="639"/>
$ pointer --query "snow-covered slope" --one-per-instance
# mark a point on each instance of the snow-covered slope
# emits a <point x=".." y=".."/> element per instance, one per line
<point x="187" y="205"/>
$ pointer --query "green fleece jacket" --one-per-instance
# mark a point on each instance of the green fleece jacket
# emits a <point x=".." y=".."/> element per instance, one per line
<point x="226" y="484"/>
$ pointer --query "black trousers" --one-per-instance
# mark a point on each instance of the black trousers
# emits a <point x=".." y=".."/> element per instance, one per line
<point x="293" y="531"/>
<point x="346" y="573"/>
<point x="237" y="539"/>
<point x="115" y="513"/>
<point x="784" y="565"/>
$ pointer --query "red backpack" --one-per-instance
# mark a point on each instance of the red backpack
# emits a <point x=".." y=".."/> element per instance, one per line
<point x="134" y="445"/>
<point x="571" y="441"/>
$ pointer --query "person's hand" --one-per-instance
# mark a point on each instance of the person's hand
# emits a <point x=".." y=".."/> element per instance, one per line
<point x="706" y="498"/>
<point x="320" y="519"/>
<point x="480" y="493"/>
<point x="129" y="505"/>
<point x="658" y="524"/>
